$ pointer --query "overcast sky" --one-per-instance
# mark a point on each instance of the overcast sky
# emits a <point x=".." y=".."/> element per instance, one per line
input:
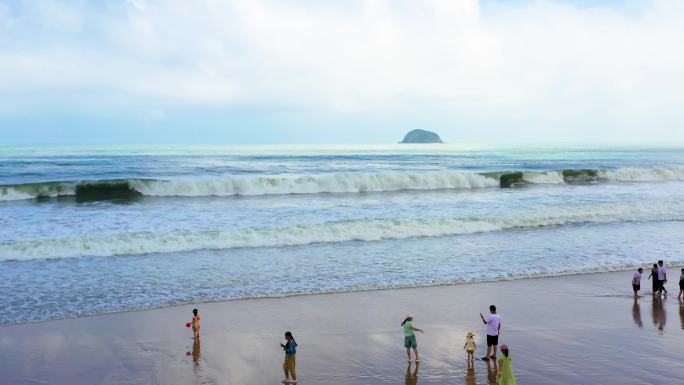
<point x="289" y="71"/>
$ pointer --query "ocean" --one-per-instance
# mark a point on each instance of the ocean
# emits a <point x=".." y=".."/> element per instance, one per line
<point x="96" y="229"/>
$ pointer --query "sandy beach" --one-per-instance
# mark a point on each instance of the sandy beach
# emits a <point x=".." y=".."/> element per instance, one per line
<point x="327" y="170"/>
<point x="580" y="329"/>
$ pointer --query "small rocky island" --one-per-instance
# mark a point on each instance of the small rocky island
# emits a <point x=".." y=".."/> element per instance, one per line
<point x="421" y="136"/>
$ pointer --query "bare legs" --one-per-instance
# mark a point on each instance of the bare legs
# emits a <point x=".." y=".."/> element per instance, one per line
<point x="491" y="349"/>
<point x="408" y="353"/>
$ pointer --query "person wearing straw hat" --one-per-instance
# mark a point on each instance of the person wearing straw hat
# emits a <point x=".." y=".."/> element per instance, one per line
<point x="470" y="346"/>
<point x="410" y="337"/>
<point x="505" y="375"/>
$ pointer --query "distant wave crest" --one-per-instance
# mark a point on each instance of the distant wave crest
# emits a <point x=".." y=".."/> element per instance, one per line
<point x="230" y="185"/>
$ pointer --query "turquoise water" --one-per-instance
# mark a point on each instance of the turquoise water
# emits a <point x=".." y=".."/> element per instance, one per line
<point x="92" y="229"/>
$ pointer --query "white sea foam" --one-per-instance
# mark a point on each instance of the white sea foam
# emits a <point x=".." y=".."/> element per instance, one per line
<point x="548" y="177"/>
<point x="330" y="232"/>
<point x="630" y="174"/>
<point x="30" y="191"/>
<point x="11" y="194"/>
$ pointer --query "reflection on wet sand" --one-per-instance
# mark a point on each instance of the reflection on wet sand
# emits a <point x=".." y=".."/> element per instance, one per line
<point x="636" y="314"/>
<point x="470" y="375"/>
<point x="412" y="377"/>
<point x="658" y="313"/>
<point x="681" y="313"/>
<point x="196" y="351"/>
<point x="491" y="372"/>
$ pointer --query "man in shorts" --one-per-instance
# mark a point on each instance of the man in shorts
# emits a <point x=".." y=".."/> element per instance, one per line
<point x="493" y="328"/>
<point x="636" y="282"/>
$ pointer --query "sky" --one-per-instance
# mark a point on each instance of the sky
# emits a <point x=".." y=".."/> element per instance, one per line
<point x="303" y="71"/>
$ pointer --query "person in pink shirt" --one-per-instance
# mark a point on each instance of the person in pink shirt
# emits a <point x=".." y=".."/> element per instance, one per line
<point x="636" y="282"/>
<point x="493" y="327"/>
<point x="662" y="277"/>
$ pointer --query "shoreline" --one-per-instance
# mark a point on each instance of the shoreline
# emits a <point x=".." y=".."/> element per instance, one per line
<point x="553" y="275"/>
<point x="571" y="329"/>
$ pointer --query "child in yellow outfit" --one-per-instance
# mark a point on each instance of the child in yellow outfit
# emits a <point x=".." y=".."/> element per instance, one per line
<point x="470" y="345"/>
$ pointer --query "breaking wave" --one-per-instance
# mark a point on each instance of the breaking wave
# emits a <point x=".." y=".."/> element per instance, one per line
<point x="330" y="232"/>
<point x="284" y="184"/>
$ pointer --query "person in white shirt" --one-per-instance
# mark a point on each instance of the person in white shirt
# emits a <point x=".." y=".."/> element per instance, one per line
<point x="636" y="282"/>
<point x="662" y="277"/>
<point x="493" y="328"/>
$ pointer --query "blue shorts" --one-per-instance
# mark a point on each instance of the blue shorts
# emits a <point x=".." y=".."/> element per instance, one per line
<point x="410" y="342"/>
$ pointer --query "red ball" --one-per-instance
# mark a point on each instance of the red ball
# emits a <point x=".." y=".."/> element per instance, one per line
<point x="187" y="325"/>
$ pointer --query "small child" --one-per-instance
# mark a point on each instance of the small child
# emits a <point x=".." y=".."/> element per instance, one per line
<point x="195" y="323"/>
<point x="504" y="375"/>
<point x="636" y="282"/>
<point x="470" y="345"/>
<point x="289" y="366"/>
<point x="681" y="285"/>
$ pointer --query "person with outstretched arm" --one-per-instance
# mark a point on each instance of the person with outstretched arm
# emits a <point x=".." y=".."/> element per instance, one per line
<point x="493" y="328"/>
<point x="410" y="337"/>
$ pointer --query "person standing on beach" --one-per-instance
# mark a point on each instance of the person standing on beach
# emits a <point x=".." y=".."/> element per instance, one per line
<point x="681" y="287"/>
<point x="505" y="374"/>
<point x="662" y="277"/>
<point x="654" y="278"/>
<point x="470" y="345"/>
<point x="493" y="322"/>
<point x="410" y="337"/>
<point x="195" y="323"/>
<point x="289" y="366"/>
<point x="636" y="282"/>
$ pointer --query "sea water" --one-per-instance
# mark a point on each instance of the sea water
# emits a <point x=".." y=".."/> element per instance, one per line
<point x="93" y="229"/>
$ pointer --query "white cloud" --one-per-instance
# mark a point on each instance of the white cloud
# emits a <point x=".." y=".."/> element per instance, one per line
<point x="546" y="61"/>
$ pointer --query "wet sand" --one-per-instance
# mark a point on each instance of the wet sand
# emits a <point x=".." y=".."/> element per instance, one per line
<point x="582" y="329"/>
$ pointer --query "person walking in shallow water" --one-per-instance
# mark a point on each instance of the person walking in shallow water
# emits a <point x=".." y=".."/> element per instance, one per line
<point x="654" y="278"/>
<point x="410" y="337"/>
<point x="493" y="327"/>
<point x="289" y="366"/>
<point x="505" y="375"/>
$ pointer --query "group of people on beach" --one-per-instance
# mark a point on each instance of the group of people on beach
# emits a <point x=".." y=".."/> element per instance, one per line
<point x="658" y="279"/>
<point x="492" y="322"/>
